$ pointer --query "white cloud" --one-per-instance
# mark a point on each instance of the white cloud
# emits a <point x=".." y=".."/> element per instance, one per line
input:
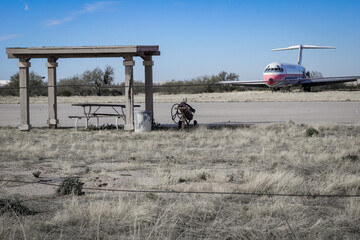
<point x="86" y="9"/>
<point x="93" y="7"/>
<point x="8" y="37"/>
<point x="58" y="21"/>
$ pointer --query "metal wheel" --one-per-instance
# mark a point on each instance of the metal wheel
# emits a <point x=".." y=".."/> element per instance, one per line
<point x="175" y="113"/>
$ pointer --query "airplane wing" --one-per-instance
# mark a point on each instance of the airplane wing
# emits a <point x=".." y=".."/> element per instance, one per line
<point x="304" y="82"/>
<point x="327" y="80"/>
<point x="251" y="83"/>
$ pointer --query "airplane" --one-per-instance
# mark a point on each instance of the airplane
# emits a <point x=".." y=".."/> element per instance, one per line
<point x="282" y="75"/>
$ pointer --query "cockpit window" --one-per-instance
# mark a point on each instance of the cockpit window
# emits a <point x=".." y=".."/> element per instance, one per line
<point x="274" y="69"/>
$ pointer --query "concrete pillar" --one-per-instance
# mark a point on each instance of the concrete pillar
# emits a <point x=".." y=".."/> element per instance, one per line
<point x="24" y="65"/>
<point x="129" y="93"/>
<point x="52" y="108"/>
<point x="149" y="102"/>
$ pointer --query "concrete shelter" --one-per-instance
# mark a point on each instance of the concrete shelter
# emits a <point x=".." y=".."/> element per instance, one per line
<point x="52" y="54"/>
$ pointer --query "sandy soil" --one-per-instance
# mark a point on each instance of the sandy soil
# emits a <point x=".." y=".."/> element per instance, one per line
<point x="248" y="96"/>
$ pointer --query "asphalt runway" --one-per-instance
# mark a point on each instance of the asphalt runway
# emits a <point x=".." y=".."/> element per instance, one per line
<point x="210" y="113"/>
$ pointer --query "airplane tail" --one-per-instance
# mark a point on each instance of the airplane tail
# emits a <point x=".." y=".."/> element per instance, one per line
<point x="301" y="47"/>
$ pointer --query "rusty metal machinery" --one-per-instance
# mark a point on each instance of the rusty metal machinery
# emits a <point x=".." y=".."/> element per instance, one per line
<point x="182" y="113"/>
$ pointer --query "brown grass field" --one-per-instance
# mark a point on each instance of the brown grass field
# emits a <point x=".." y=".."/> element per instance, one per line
<point x="246" y="96"/>
<point x="262" y="159"/>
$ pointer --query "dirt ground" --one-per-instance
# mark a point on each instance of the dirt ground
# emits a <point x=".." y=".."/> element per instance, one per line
<point x="246" y="96"/>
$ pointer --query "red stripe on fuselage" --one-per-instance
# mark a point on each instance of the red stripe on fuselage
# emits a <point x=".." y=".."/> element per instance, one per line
<point x="273" y="78"/>
<point x="276" y="78"/>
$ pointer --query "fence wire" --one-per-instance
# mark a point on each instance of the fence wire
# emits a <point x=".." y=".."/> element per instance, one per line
<point x="116" y="86"/>
<point x="199" y="192"/>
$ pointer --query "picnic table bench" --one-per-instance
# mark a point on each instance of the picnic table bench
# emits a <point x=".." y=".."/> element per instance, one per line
<point x="91" y="110"/>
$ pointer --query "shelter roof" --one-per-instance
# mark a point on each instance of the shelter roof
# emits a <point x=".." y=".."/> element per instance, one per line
<point x="83" y="52"/>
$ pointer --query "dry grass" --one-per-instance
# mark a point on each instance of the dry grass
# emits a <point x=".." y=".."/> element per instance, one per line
<point x="268" y="159"/>
<point x="247" y="96"/>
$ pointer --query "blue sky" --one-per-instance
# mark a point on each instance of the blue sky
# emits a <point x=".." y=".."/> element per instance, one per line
<point x="196" y="37"/>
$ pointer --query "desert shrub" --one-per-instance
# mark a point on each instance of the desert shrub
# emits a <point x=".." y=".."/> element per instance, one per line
<point x="70" y="185"/>
<point x="36" y="84"/>
<point x="105" y="92"/>
<point x="115" y="92"/>
<point x="351" y="157"/>
<point x="36" y="174"/>
<point x="311" y="131"/>
<point x="203" y="176"/>
<point x="65" y="93"/>
<point x="102" y="127"/>
<point x="7" y="205"/>
<point x="181" y="180"/>
<point x="202" y="84"/>
<point x="152" y="196"/>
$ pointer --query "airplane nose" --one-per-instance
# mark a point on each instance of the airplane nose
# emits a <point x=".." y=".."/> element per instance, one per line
<point x="273" y="78"/>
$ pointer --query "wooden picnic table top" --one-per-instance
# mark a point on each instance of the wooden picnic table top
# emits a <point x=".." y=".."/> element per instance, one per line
<point x="102" y="105"/>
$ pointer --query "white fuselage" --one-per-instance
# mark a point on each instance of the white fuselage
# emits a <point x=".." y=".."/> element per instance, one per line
<point x="283" y="74"/>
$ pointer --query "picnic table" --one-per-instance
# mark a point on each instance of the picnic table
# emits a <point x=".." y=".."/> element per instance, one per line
<point x="92" y="110"/>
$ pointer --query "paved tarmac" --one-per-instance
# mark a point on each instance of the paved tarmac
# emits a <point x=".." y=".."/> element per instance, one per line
<point x="210" y="113"/>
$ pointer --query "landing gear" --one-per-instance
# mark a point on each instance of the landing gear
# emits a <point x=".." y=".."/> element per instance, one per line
<point x="306" y="88"/>
<point x="275" y="89"/>
<point x="286" y="89"/>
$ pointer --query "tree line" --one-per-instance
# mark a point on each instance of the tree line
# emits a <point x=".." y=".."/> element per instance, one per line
<point x="91" y="82"/>
<point x="101" y="83"/>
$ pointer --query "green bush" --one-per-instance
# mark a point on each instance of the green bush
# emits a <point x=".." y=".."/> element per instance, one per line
<point x="37" y="85"/>
<point x="311" y="132"/>
<point x="70" y="185"/>
<point x="203" y="176"/>
<point x="351" y="157"/>
<point x="102" y="127"/>
<point x="181" y="180"/>
<point x="36" y="174"/>
<point x="115" y="92"/>
<point x="65" y="93"/>
<point x="7" y="205"/>
<point x="105" y="92"/>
